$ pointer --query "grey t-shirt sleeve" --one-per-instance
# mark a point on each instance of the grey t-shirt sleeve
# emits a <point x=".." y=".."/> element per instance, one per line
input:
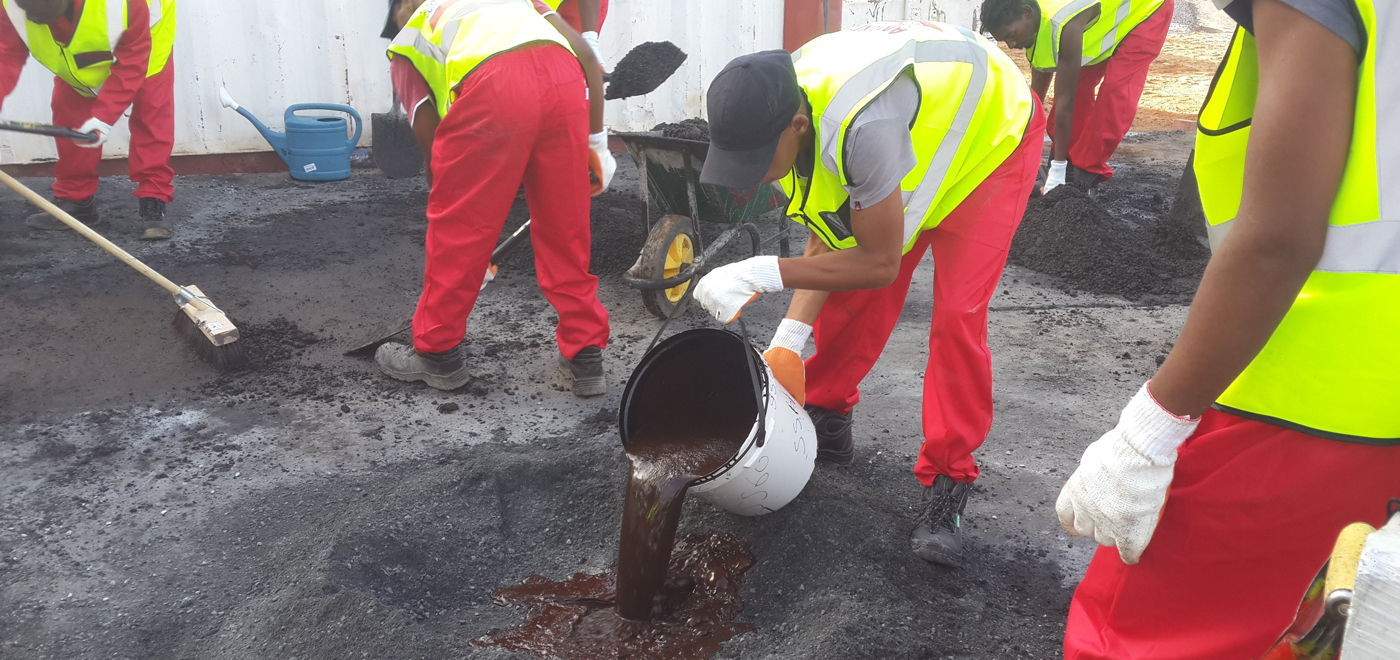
<point x="1339" y="16"/>
<point x="879" y="148"/>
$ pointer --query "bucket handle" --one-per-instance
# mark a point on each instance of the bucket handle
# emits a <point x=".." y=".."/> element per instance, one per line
<point x="761" y="434"/>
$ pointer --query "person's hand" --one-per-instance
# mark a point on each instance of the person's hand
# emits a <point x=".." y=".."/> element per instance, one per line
<point x="601" y="161"/>
<point x="724" y="292"/>
<point x="784" y="357"/>
<point x="1056" y="176"/>
<point x="1116" y="494"/>
<point x="94" y="125"/>
<point x="490" y="275"/>
<point x="592" y="39"/>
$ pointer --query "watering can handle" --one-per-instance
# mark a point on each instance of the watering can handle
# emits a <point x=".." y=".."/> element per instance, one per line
<point x="359" y="124"/>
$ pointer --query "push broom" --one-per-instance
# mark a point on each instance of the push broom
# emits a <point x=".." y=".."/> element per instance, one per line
<point x="202" y="325"/>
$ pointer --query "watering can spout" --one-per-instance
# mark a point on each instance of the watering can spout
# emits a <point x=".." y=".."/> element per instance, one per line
<point x="277" y="140"/>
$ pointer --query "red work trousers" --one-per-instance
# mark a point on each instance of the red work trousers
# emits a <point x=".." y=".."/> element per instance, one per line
<point x="969" y="251"/>
<point x="1253" y="512"/>
<point x="521" y="116"/>
<point x="568" y="10"/>
<point x="152" y="125"/>
<point x="1101" y="120"/>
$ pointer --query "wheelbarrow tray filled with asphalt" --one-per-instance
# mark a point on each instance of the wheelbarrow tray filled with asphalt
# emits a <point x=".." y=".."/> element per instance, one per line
<point x="676" y="248"/>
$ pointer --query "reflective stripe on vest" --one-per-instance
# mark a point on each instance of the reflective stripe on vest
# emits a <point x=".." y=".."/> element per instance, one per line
<point x="447" y="39"/>
<point x="992" y="108"/>
<point x="162" y="34"/>
<point x="1332" y="367"/>
<point x="95" y="37"/>
<point x="1116" y="19"/>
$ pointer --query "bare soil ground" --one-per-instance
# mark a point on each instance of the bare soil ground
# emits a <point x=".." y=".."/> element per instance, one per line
<point x="311" y="508"/>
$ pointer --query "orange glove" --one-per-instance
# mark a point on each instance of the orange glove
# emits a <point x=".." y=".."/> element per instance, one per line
<point x="600" y="162"/>
<point x="784" y="356"/>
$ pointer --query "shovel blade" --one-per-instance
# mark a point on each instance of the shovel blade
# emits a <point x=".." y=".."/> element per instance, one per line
<point x="382" y="334"/>
<point x="396" y="150"/>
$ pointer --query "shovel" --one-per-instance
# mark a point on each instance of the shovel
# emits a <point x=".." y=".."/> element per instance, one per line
<point x="396" y="151"/>
<point x="46" y="129"/>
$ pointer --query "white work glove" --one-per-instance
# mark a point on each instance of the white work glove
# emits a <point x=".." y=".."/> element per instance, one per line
<point x="490" y="275"/>
<point x="1117" y="493"/>
<point x="1056" y="176"/>
<point x="94" y="125"/>
<point x="784" y="357"/>
<point x="724" y="292"/>
<point x="592" y="39"/>
<point x="601" y="161"/>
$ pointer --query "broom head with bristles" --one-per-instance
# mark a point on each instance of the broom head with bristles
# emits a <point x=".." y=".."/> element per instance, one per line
<point x="211" y="334"/>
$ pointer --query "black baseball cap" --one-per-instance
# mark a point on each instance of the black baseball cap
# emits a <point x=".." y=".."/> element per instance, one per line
<point x="751" y="102"/>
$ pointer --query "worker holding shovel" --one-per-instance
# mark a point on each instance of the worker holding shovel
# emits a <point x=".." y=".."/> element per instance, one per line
<point x="106" y="56"/>
<point x="891" y="140"/>
<point x="500" y="94"/>
<point x="1275" y="420"/>
<point x="1098" y="53"/>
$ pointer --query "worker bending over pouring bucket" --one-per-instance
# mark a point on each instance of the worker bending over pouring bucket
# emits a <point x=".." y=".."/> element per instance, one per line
<point x="891" y="139"/>
<point x="1275" y="420"/>
<point x="498" y="95"/>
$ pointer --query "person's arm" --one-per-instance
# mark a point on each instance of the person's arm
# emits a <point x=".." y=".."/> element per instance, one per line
<point x="873" y="262"/>
<point x="806" y="304"/>
<point x="1067" y="66"/>
<point x="1298" y="147"/>
<point x="425" y="125"/>
<point x="133" y="58"/>
<point x="13" y="55"/>
<point x="591" y="69"/>
<point x="588" y="11"/>
<point x="1040" y="82"/>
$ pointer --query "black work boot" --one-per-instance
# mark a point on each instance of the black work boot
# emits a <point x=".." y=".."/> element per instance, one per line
<point x="153" y="220"/>
<point x="938" y="538"/>
<point x="1083" y="179"/>
<point x="585" y="372"/>
<point x="1040" y="177"/>
<point x="834" y="443"/>
<point x="84" y="211"/>
<point x="444" y="371"/>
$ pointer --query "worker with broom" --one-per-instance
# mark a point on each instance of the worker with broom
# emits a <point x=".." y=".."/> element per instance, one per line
<point x="106" y="56"/>
<point x="1275" y="420"/>
<point x="499" y="94"/>
<point x="1098" y="53"/>
<point x="892" y="140"/>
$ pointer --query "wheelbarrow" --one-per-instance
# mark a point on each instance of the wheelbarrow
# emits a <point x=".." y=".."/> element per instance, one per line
<point x="676" y="250"/>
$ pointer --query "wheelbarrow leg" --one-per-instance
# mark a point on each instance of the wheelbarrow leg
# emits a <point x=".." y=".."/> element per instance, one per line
<point x="645" y="190"/>
<point x="784" y="237"/>
<point x="694" y="206"/>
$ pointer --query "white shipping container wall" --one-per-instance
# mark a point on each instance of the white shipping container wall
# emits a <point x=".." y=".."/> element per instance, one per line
<point x="273" y="53"/>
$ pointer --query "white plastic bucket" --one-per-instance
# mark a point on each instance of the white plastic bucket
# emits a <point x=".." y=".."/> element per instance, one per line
<point x="703" y="372"/>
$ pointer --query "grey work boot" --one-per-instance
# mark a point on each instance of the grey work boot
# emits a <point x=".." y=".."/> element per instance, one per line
<point x="84" y="211"/>
<point x="444" y="371"/>
<point x="585" y="372"/>
<point x="835" y="446"/>
<point x="153" y="220"/>
<point x="938" y="538"/>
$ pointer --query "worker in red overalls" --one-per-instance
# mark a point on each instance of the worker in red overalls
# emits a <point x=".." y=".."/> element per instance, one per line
<point x="107" y="56"/>
<point x="499" y="93"/>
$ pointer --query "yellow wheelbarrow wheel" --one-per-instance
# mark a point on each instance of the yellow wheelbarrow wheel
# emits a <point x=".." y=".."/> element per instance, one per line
<point x="670" y="247"/>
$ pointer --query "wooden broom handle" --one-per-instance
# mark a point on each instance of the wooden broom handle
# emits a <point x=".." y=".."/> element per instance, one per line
<point x="97" y="238"/>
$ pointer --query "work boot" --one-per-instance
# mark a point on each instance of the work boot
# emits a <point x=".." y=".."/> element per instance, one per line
<point x="585" y="372"/>
<point x="444" y="371"/>
<point x="834" y="443"/>
<point x="938" y="538"/>
<point x="1040" y="177"/>
<point x="1083" y="179"/>
<point x="85" y="212"/>
<point x="153" y="219"/>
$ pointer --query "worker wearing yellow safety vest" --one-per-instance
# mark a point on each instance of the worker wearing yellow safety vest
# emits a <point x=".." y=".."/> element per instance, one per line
<point x="1275" y="420"/>
<point x="892" y="140"/>
<point x="500" y="94"/>
<point x="1098" y="53"/>
<point x="107" y="56"/>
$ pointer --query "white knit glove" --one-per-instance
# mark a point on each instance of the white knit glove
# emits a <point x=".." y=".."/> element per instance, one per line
<point x="1117" y="493"/>
<point x="592" y="39"/>
<point x="601" y="161"/>
<point x="94" y="125"/>
<point x="1056" y="176"/>
<point x="784" y="356"/>
<point x="724" y="292"/>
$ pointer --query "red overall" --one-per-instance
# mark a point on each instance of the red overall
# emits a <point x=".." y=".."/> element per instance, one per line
<point x="1252" y="515"/>
<point x="521" y="115"/>
<point x="969" y="251"/>
<point x="1101" y="121"/>
<point x="152" y="103"/>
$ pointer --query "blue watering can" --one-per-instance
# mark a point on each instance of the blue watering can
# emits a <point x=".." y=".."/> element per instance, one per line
<point x="314" y="147"/>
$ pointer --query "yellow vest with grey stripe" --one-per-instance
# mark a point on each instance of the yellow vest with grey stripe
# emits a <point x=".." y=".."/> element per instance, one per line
<point x="86" y="61"/>
<point x="973" y="111"/>
<point x="448" y="39"/>
<point x="1101" y="37"/>
<point x="1332" y="368"/>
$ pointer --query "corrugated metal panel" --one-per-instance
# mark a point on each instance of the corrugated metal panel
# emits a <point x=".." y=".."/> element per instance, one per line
<point x="273" y="53"/>
<point x="958" y="12"/>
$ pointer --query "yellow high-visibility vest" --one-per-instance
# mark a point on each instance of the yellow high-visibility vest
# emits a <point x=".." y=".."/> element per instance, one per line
<point x="1332" y="368"/>
<point x="448" y="39"/>
<point x="1101" y="37"/>
<point x="974" y="110"/>
<point x="86" y="61"/>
